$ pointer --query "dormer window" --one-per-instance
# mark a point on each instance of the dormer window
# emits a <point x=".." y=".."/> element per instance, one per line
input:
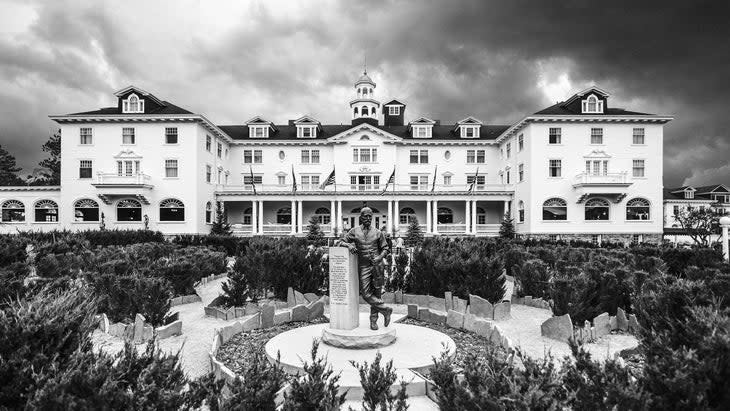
<point x="259" y="131"/>
<point x="394" y="110"/>
<point x="592" y="105"/>
<point x="469" y="131"/>
<point x="689" y="194"/>
<point x="133" y="104"/>
<point x="306" y="131"/>
<point x="421" y="131"/>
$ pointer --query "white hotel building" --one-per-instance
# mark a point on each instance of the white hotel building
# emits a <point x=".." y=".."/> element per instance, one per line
<point x="579" y="168"/>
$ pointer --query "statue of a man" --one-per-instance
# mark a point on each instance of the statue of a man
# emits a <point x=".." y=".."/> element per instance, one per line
<point x="371" y="247"/>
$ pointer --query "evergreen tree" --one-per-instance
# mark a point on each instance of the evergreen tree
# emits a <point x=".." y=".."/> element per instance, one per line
<point x="220" y="226"/>
<point x="9" y="169"/>
<point x="50" y="175"/>
<point x="414" y="235"/>
<point x="315" y="235"/>
<point x="507" y="229"/>
<point x="316" y="389"/>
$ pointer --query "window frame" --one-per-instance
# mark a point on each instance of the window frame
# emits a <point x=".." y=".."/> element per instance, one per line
<point x="554" y="203"/>
<point x="164" y="206"/>
<point x="168" y="167"/>
<point x="597" y="133"/>
<point x="77" y="207"/>
<point x="635" y="168"/>
<point x="558" y="165"/>
<point x="639" y="132"/>
<point x="86" y="132"/>
<point x="12" y="214"/>
<point x="90" y="168"/>
<point x="556" y="134"/>
<point x="593" y="209"/>
<point x="646" y="205"/>
<point x="394" y="110"/>
<point x="171" y="132"/>
<point x="129" y="132"/>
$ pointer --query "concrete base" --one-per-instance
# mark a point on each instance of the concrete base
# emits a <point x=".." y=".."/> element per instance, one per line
<point x="360" y="337"/>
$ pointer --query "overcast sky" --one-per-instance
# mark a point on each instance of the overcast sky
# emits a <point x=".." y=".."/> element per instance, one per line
<point x="497" y="61"/>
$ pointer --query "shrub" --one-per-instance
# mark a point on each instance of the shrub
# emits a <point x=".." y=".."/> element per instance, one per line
<point x="507" y="227"/>
<point x="220" y="225"/>
<point x="106" y="238"/>
<point x="398" y="279"/>
<point x="122" y="297"/>
<point x="315" y="235"/>
<point x="11" y="278"/>
<point x="678" y="259"/>
<point x="533" y="277"/>
<point x="231" y="245"/>
<point x="12" y="249"/>
<point x="414" y="235"/>
<point x="376" y="382"/>
<point x="316" y="389"/>
<point x="257" y="388"/>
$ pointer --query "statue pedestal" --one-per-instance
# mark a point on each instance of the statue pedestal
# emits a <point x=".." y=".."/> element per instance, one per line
<point x="344" y="289"/>
<point x="360" y="337"/>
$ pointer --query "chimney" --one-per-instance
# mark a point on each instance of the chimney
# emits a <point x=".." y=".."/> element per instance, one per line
<point x="397" y="118"/>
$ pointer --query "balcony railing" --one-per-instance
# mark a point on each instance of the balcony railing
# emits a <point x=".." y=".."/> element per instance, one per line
<point x="602" y="179"/>
<point x="367" y="188"/>
<point x="116" y="179"/>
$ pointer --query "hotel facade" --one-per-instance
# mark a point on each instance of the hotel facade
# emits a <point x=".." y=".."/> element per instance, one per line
<point x="578" y="169"/>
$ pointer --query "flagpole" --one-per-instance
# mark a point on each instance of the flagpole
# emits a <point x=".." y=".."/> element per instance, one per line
<point x="334" y="173"/>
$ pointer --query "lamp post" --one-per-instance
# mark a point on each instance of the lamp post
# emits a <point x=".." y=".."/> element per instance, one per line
<point x="725" y="223"/>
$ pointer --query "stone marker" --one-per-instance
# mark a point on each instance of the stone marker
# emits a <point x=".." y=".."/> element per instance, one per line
<point x="281" y="305"/>
<point x="252" y="323"/>
<point x="449" y="298"/>
<point x="455" y="319"/>
<point x="436" y="303"/>
<point x="299" y="298"/>
<point x="413" y="311"/>
<point x="481" y="307"/>
<point x="117" y="330"/>
<point x="300" y="313"/>
<point x="344" y="294"/>
<point x="509" y="288"/>
<point x="496" y="336"/>
<point x="423" y="300"/>
<point x="139" y="328"/>
<point x="104" y="323"/>
<point x="424" y="314"/>
<point x="612" y="322"/>
<point x="252" y="308"/>
<point x="410" y="299"/>
<point x="169" y="330"/>
<point x="231" y="314"/>
<point x="389" y="298"/>
<point x="316" y="309"/>
<point x="282" y="317"/>
<point x="311" y="297"/>
<point x="437" y="317"/>
<point x="240" y="312"/>
<point x="148" y="332"/>
<point x="267" y="315"/>
<point x="527" y="300"/>
<point x="502" y="311"/>
<point x="469" y="321"/>
<point x="460" y="305"/>
<point x="602" y="325"/>
<point x="399" y="297"/>
<point x="633" y="325"/>
<point x="621" y="320"/>
<point x="558" y="328"/>
<point x="482" y="327"/>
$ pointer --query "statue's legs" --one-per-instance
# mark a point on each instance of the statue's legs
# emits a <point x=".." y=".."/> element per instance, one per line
<point x="371" y="290"/>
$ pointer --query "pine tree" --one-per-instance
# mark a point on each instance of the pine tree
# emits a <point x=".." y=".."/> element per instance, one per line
<point x="9" y="169"/>
<point x="414" y="235"/>
<point x="51" y="172"/>
<point x="315" y="235"/>
<point x="507" y="229"/>
<point x="220" y="226"/>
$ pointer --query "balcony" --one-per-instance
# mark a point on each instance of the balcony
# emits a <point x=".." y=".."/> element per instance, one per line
<point x="609" y="185"/>
<point x="274" y="189"/>
<point x="112" y="185"/>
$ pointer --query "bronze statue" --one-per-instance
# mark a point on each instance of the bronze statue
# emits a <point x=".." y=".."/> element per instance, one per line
<point x="371" y="247"/>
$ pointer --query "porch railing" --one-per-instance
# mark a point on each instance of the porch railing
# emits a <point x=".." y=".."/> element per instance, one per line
<point x="451" y="228"/>
<point x="372" y="188"/>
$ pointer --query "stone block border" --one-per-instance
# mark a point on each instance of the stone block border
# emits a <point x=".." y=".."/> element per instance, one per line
<point x="139" y="331"/>
<point x="561" y="327"/>
<point x="212" y="277"/>
<point x="185" y="299"/>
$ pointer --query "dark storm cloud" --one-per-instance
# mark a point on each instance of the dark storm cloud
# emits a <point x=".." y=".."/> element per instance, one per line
<point x="447" y="60"/>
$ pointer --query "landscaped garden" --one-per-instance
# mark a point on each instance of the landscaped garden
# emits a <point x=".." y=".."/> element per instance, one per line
<point x="56" y="287"/>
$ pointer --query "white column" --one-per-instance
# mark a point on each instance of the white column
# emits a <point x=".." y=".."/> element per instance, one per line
<point x="333" y="216"/>
<point x="725" y="223"/>
<point x="339" y="216"/>
<point x="396" y="222"/>
<point x="506" y="207"/>
<point x="389" y="224"/>
<point x="474" y="216"/>
<point x="299" y="217"/>
<point x="254" y="217"/>
<point x="467" y="217"/>
<point x="435" y="214"/>
<point x="428" y="217"/>
<point x="293" y="217"/>
<point x="261" y="217"/>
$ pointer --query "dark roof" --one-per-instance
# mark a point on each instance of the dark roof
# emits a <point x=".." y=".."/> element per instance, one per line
<point x="394" y="102"/>
<point x="707" y="189"/>
<point x="287" y="132"/>
<point x="168" y="108"/>
<point x="669" y="195"/>
<point x="560" y="109"/>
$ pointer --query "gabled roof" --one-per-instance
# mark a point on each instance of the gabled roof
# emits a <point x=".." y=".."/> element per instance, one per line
<point x="589" y="90"/>
<point x="138" y="91"/>
<point x="560" y="109"/>
<point x="258" y="120"/>
<point x="165" y="108"/>
<point x="469" y="120"/>
<point x="717" y="188"/>
<point x="306" y="119"/>
<point x="683" y="189"/>
<point x="422" y="120"/>
<point x="394" y="102"/>
<point x="702" y="193"/>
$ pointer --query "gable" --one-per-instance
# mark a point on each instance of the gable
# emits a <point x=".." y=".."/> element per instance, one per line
<point x="356" y="133"/>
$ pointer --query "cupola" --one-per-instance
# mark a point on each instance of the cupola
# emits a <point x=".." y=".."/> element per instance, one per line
<point x="364" y="107"/>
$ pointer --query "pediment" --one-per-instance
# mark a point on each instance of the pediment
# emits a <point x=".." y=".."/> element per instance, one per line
<point x="422" y="120"/>
<point x="127" y="154"/>
<point x="597" y="154"/>
<point x="469" y="120"/>
<point x="356" y="133"/>
<point x="258" y="120"/>
<point x="306" y="119"/>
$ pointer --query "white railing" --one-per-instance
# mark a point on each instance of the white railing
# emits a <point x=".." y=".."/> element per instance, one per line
<point x="487" y="228"/>
<point x="451" y="228"/>
<point x="373" y="188"/>
<point x="113" y="178"/>
<point x="276" y="228"/>
<point x="240" y="229"/>
<point x="608" y="178"/>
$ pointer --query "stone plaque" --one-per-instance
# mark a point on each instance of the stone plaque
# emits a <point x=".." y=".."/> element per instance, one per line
<point x="344" y="291"/>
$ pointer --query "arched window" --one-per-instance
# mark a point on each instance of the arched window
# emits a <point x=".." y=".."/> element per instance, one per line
<point x="86" y="210"/>
<point x="364" y="92"/>
<point x="354" y="112"/>
<point x="481" y="216"/>
<point x="444" y="215"/>
<point x="172" y="210"/>
<point x="406" y="215"/>
<point x="247" y="219"/>
<point x="597" y="209"/>
<point x="323" y="215"/>
<point x="283" y="216"/>
<point x="359" y="92"/>
<point x="357" y="210"/>
<point x="638" y="209"/>
<point x="554" y="209"/>
<point x="592" y="102"/>
<point x="129" y="210"/>
<point x="208" y="212"/>
<point x="364" y="111"/>
<point x="521" y="211"/>
<point x="46" y="211"/>
<point x="13" y="211"/>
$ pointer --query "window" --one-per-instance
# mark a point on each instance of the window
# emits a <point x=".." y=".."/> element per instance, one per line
<point x="447" y="154"/>
<point x="476" y="156"/>
<point x="554" y="209"/>
<point x="481" y="216"/>
<point x="85" y="136"/>
<point x="480" y="180"/>
<point x="638" y="168"/>
<point x="127" y="135"/>
<point x="322" y="214"/>
<point x="208" y="173"/>
<point x="555" y="168"/>
<point x="219" y="151"/>
<point x="208" y="212"/>
<point x="310" y="182"/>
<point x="247" y="217"/>
<point x="306" y="131"/>
<point x="447" y="180"/>
<point x="553" y="237"/>
<point x="596" y="239"/>
<point x="219" y="178"/>
<point x="394" y="110"/>
<point x="419" y="156"/>
<point x="597" y="209"/>
<point x="281" y="180"/>
<point x="520" y="142"/>
<point x="170" y="135"/>
<point x="171" y="168"/>
<point x="354" y="112"/>
<point x="521" y="172"/>
<point x="133" y="104"/>
<point x="509" y="150"/>
<point x="257" y="180"/>
<point x="596" y="170"/>
<point x="638" y="137"/>
<point x="676" y="210"/>
<point x="85" y="167"/>
<point x="365" y="155"/>
<point x="208" y="143"/>
<point x="406" y="215"/>
<point x="421" y="131"/>
<point x="469" y="131"/>
<point x="689" y="194"/>
<point x="592" y="105"/>
<point x="554" y="136"/>
<point x="444" y="215"/>
<point x="419" y="183"/>
<point x="86" y="210"/>
<point x="521" y="212"/>
<point x="129" y="210"/>
<point x="310" y="156"/>
<point x="283" y="216"/>
<point x="172" y="210"/>
<point x="252" y="156"/>
<point x="507" y="173"/>
<point x="364" y="182"/>
<point x="13" y="211"/>
<point x="638" y="209"/>
<point x="596" y="136"/>
<point x="127" y="168"/>
<point x="259" y="131"/>
<point x="637" y="239"/>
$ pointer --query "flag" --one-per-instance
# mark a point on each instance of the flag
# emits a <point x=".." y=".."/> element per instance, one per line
<point x="471" y="186"/>
<point x="293" y="181"/>
<point x="433" y="186"/>
<point x="329" y="181"/>
<point x="391" y="180"/>
<point x="253" y="183"/>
